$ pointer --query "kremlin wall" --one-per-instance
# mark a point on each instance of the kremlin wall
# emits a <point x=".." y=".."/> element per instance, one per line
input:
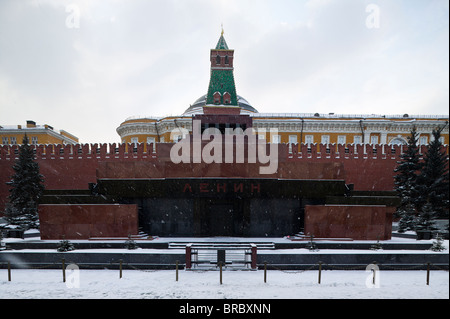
<point x="77" y="167"/>
<point x="367" y="167"/>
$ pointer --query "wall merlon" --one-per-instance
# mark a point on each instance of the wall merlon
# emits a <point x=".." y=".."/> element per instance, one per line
<point x="142" y="150"/>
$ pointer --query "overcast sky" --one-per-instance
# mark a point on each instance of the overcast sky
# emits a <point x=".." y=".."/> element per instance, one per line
<point x="86" y="66"/>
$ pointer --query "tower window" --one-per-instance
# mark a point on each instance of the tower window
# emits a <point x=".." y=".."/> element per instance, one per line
<point x="217" y="97"/>
<point x="226" y="60"/>
<point x="218" y="59"/>
<point x="226" y="98"/>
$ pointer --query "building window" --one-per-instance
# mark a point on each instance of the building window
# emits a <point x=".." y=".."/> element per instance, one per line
<point x="341" y="139"/>
<point x="218" y="59"/>
<point x="13" y="140"/>
<point x="151" y="140"/>
<point x="134" y="140"/>
<point x="217" y="97"/>
<point x="226" y="60"/>
<point x="276" y="139"/>
<point x="226" y="98"/>
<point x="325" y="139"/>
<point x="398" y="141"/>
<point x="357" y="139"/>
<point x="34" y="140"/>
<point x="374" y="140"/>
<point x="423" y="140"/>
<point x="292" y="139"/>
<point x="309" y="139"/>
<point x="5" y="140"/>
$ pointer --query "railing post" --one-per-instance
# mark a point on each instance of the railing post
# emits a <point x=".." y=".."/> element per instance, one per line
<point x="374" y="273"/>
<point x="265" y="271"/>
<point x="320" y="271"/>
<point x="64" y="269"/>
<point x="9" y="271"/>
<point x="428" y="274"/>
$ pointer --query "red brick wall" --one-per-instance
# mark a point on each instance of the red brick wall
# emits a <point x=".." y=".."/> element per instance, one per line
<point x="74" y="166"/>
<point x="356" y="222"/>
<point x="86" y="221"/>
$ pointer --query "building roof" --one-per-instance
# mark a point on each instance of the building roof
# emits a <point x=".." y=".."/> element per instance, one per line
<point x="222" y="44"/>
<point x="197" y="106"/>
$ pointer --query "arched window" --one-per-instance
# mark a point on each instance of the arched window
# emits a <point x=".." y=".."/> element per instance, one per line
<point x="226" y="60"/>
<point x="218" y="59"/>
<point x="226" y="98"/>
<point x="217" y="97"/>
<point x="398" y="141"/>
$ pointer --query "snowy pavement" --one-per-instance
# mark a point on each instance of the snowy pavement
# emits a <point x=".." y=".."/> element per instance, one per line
<point x="136" y="284"/>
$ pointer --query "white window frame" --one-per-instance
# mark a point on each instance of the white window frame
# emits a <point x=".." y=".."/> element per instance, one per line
<point x="325" y="139"/>
<point x="134" y="140"/>
<point x="292" y="139"/>
<point x="373" y="139"/>
<point x="309" y="139"/>
<point x="342" y="139"/>
<point x="276" y="139"/>
<point x="357" y="139"/>
<point x="423" y="140"/>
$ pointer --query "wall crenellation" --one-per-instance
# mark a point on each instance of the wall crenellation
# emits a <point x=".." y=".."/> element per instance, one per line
<point x="106" y="151"/>
<point x="82" y="151"/>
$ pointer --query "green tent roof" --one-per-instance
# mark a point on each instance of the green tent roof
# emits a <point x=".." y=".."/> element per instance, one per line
<point x="222" y="44"/>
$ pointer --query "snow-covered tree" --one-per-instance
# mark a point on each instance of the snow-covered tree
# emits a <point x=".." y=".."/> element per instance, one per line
<point x="65" y="245"/>
<point x="26" y="189"/>
<point x="433" y="184"/>
<point x="405" y="183"/>
<point x="438" y="244"/>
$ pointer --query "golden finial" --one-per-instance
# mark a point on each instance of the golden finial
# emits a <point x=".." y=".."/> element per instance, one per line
<point x="222" y="30"/>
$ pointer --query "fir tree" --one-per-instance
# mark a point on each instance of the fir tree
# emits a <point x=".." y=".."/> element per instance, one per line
<point x="405" y="183"/>
<point x="438" y="244"/>
<point x="130" y="244"/>
<point x="65" y="245"/>
<point x="26" y="189"/>
<point x="433" y="184"/>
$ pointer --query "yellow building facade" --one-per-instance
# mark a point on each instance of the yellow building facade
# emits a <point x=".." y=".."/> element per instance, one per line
<point x="300" y="128"/>
<point x="37" y="134"/>
<point x="308" y="128"/>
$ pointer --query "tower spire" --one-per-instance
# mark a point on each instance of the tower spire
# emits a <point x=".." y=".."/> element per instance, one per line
<point x="222" y="89"/>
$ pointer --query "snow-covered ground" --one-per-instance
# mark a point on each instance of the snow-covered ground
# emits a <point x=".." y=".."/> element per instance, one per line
<point x="137" y="284"/>
<point x="236" y="284"/>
